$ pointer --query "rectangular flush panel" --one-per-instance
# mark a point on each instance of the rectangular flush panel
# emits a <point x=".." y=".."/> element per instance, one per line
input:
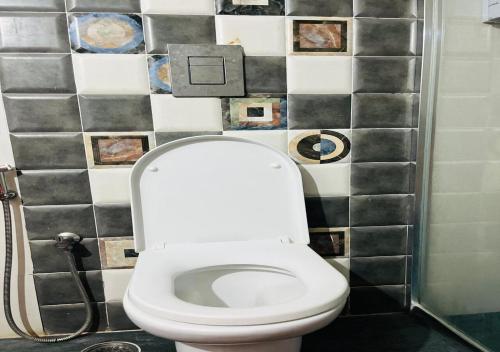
<point x="206" y="70"/>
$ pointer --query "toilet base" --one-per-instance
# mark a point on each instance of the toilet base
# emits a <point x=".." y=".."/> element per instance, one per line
<point x="288" y="345"/>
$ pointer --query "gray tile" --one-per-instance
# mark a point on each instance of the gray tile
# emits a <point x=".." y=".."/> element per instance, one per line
<point x="409" y="264"/>
<point x="68" y="318"/>
<point x="273" y="8"/>
<point x="385" y="37"/>
<point x="384" y="75"/>
<point x="113" y="220"/>
<point x="32" y="5"/>
<point x="380" y="210"/>
<point x="44" y="222"/>
<point x="52" y="187"/>
<point x="338" y="8"/>
<point x="166" y="137"/>
<point x="317" y="111"/>
<point x="411" y="239"/>
<point x="418" y="74"/>
<point x="117" y="318"/>
<point x="377" y="299"/>
<point x="420" y="8"/>
<point x="420" y="37"/>
<point x="327" y="211"/>
<point x="161" y="30"/>
<point x="129" y="6"/>
<point x="374" y="271"/>
<point x="385" y="8"/>
<point x="381" y="145"/>
<point x="378" y="241"/>
<point x="37" y="73"/>
<point x="414" y="144"/>
<point x="378" y="110"/>
<point x="380" y="178"/>
<point x="265" y="74"/>
<point x="49" y="259"/>
<point x="42" y="113"/>
<point x="413" y="171"/>
<point x="116" y="113"/>
<point x="48" y="150"/>
<point x="60" y="288"/>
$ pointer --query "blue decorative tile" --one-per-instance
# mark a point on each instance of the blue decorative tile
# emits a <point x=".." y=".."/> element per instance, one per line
<point x="319" y="146"/>
<point x="159" y="74"/>
<point x="106" y="33"/>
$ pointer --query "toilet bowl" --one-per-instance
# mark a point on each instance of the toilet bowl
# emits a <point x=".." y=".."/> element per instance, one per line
<point x="224" y="265"/>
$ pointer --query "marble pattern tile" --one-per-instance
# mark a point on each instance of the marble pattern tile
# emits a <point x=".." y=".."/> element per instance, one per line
<point x="339" y="8"/>
<point x="319" y="111"/>
<point x="265" y="74"/>
<point x="126" y="6"/>
<point x="319" y="146"/>
<point x="250" y="7"/>
<point x="160" y="78"/>
<point x="117" y="252"/>
<point x="332" y="242"/>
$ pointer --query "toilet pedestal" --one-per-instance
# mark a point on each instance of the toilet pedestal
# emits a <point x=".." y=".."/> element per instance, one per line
<point x="288" y="345"/>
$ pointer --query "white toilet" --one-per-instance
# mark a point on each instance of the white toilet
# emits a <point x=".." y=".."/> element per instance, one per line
<point x="224" y="265"/>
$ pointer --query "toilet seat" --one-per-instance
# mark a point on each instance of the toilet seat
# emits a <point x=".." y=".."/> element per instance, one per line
<point x="152" y="290"/>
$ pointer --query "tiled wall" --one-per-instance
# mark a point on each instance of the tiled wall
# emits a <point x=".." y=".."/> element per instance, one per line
<point x="341" y="80"/>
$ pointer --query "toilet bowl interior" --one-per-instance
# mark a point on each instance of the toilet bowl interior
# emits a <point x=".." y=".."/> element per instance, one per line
<point x="238" y="286"/>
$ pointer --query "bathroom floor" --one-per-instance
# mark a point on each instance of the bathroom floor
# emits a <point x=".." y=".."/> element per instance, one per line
<point x="388" y="333"/>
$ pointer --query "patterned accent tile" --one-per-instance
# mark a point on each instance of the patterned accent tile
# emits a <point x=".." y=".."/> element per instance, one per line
<point x="276" y="139"/>
<point x="250" y="7"/>
<point x="314" y="111"/>
<point x="117" y="252"/>
<point x="113" y="220"/>
<point x="166" y="137"/>
<point x="259" y="35"/>
<point x="110" y="185"/>
<point x="319" y="146"/>
<point x="117" y="318"/>
<point x="115" y="283"/>
<point x="378" y="241"/>
<point x="385" y="8"/>
<point x="106" y="33"/>
<point x="265" y="74"/>
<point x="42" y="113"/>
<point x="162" y="30"/>
<point x="68" y="318"/>
<point x="44" y="222"/>
<point x="380" y="178"/>
<point x="160" y="78"/>
<point x="33" y="32"/>
<point x="381" y="145"/>
<point x="36" y="73"/>
<point x="317" y="179"/>
<point x="178" y="7"/>
<point x="55" y="187"/>
<point x="377" y="299"/>
<point x="131" y="6"/>
<point x="342" y="8"/>
<point x="113" y="113"/>
<point x="327" y="211"/>
<point x="380" y="210"/>
<point x="255" y="112"/>
<point x="330" y="242"/>
<point x="32" y="5"/>
<point x="374" y="271"/>
<point x="48" y="150"/>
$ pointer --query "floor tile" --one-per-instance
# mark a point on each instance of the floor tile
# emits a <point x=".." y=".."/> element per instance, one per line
<point x="341" y="8"/>
<point x="113" y="219"/>
<point x="380" y="178"/>
<point x="127" y="6"/>
<point x="318" y="111"/>
<point x="385" y="8"/>
<point x="378" y="241"/>
<point x="178" y="7"/>
<point x="327" y="211"/>
<point x="265" y="74"/>
<point x="380" y="210"/>
<point x="255" y="7"/>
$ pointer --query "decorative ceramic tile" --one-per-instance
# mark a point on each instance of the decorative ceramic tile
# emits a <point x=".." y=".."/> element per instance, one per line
<point x="116" y="149"/>
<point x="259" y="35"/>
<point x="319" y="36"/>
<point x="327" y="212"/>
<point x="33" y="32"/>
<point x="113" y="220"/>
<point x="162" y="30"/>
<point x="42" y="113"/>
<point x="115" y="283"/>
<point x="111" y="74"/>
<point x="166" y="137"/>
<point x="380" y="210"/>
<point x="385" y="8"/>
<point x="378" y="241"/>
<point x="159" y="74"/>
<point x="179" y="7"/>
<point x="116" y="113"/>
<point x="319" y="75"/>
<point x="117" y="318"/>
<point x="67" y="318"/>
<point x="317" y="179"/>
<point x="32" y="5"/>
<point x="381" y="145"/>
<point x="37" y="73"/>
<point x="171" y="114"/>
<point x="314" y="111"/>
<point x="380" y="178"/>
<point x="378" y="271"/>
<point x="319" y="146"/>
<point x="250" y="7"/>
<point x="117" y="252"/>
<point x="330" y="242"/>
<point x="265" y="74"/>
<point x="384" y="75"/>
<point x="275" y="139"/>
<point x="130" y="6"/>
<point x="342" y="8"/>
<point x="258" y="112"/>
<point x="110" y="185"/>
<point x="106" y="33"/>
<point x="48" y="150"/>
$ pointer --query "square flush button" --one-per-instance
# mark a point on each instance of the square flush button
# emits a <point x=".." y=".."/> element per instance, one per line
<point x="206" y="70"/>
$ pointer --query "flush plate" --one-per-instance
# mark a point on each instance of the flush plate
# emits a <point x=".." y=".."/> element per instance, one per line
<point x="206" y="70"/>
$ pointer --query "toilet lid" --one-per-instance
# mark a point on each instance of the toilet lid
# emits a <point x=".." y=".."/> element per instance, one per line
<point x="216" y="189"/>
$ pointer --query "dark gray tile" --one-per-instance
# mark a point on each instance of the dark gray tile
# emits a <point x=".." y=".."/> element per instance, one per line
<point x="327" y="212"/>
<point x="68" y="318"/>
<point x="385" y="37"/>
<point x="381" y="145"/>
<point x="420" y="37"/>
<point x="113" y="220"/>
<point x="420" y="8"/>
<point x="316" y="111"/>
<point x="60" y="288"/>
<point x="32" y="5"/>
<point x="37" y="73"/>
<point x="411" y="239"/>
<point x="374" y="271"/>
<point x="378" y="110"/>
<point x="409" y="264"/>
<point x="265" y="74"/>
<point x="127" y="6"/>
<point x="385" y="8"/>
<point x="413" y="171"/>
<point x="49" y="259"/>
<point x="384" y="75"/>
<point x="42" y="113"/>
<point x="377" y="299"/>
<point x="48" y="150"/>
<point x="380" y="178"/>
<point x="33" y="32"/>
<point x="414" y="145"/>
<point x="418" y="74"/>
<point x="162" y="30"/>
<point x="380" y="210"/>
<point x="378" y="241"/>
<point x="273" y="8"/>
<point x="338" y="8"/>
<point x="116" y="113"/>
<point x="117" y="318"/>
<point x="44" y="222"/>
<point x="51" y="187"/>
<point x="165" y="137"/>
